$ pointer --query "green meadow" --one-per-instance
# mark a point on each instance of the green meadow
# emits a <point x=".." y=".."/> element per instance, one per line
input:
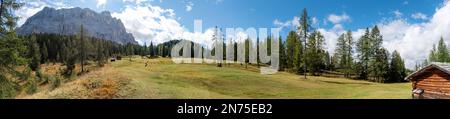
<point x="164" y="79"/>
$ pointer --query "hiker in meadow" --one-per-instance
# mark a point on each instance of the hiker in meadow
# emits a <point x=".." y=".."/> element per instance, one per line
<point x="146" y="64"/>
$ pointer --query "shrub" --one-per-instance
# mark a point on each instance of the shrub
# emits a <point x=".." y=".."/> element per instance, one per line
<point x="91" y="84"/>
<point x="104" y="93"/>
<point x="104" y="89"/>
<point x="31" y="86"/>
<point x="8" y="89"/>
<point x="54" y="82"/>
<point x="42" y="78"/>
<point x="26" y="74"/>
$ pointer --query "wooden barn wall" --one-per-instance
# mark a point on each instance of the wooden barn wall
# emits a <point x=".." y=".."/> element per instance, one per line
<point x="435" y="83"/>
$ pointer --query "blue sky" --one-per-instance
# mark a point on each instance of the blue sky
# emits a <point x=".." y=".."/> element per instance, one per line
<point x="408" y="26"/>
<point x="257" y="13"/>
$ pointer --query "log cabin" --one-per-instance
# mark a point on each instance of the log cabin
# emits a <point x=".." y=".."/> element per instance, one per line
<point x="431" y="82"/>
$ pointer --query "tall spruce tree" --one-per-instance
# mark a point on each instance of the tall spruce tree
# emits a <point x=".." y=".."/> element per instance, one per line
<point x="293" y="48"/>
<point x="315" y="53"/>
<point x="69" y="55"/>
<point x="151" y="50"/>
<point x="283" y="56"/>
<point x="380" y="65"/>
<point x="257" y="52"/>
<point x="82" y="48"/>
<point x="303" y="31"/>
<point x="363" y="54"/>
<point x="100" y="58"/>
<point x="44" y="53"/>
<point x="34" y="53"/>
<point x="377" y="55"/>
<point x="144" y="50"/>
<point x="349" y="53"/>
<point x="397" y="70"/>
<point x="12" y="48"/>
<point x="344" y="52"/>
<point x="433" y="55"/>
<point x="442" y="51"/>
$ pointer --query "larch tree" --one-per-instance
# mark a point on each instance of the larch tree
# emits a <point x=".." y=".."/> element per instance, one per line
<point x="442" y="51"/>
<point x="344" y="52"/>
<point x="82" y="48"/>
<point x="12" y="48"/>
<point x="397" y="70"/>
<point x="282" y="54"/>
<point x="33" y="53"/>
<point x="44" y="53"/>
<point x="315" y="53"/>
<point x="293" y="57"/>
<point x="303" y="31"/>
<point x="363" y="55"/>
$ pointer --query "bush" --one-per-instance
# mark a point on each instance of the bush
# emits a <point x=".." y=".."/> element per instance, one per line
<point x="91" y="84"/>
<point x="101" y="63"/>
<point x="8" y="89"/>
<point x="42" y="78"/>
<point x="31" y="86"/>
<point x="105" y="89"/>
<point x="54" y="82"/>
<point x="26" y="74"/>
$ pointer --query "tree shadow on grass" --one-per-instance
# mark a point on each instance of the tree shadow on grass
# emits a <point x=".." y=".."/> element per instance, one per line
<point x="336" y="82"/>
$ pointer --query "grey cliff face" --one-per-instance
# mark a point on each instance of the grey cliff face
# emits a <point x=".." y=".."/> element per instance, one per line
<point x="69" y="21"/>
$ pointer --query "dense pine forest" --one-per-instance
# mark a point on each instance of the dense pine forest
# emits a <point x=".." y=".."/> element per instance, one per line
<point x="302" y="52"/>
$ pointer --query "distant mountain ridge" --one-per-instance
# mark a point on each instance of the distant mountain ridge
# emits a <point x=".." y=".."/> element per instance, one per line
<point x="69" y="21"/>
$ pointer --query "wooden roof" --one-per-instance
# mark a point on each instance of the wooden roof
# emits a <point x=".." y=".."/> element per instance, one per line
<point x="444" y="67"/>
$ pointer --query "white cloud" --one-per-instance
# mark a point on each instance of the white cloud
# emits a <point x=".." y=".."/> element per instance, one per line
<point x="293" y="23"/>
<point x="314" y="21"/>
<point x="138" y="2"/>
<point x="336" y="19"/>
<point x="397" y="13"/>
<point x="278" y="23"/>
<point x="412" y="40"/>
<point x="31" y="7"/>
<point x="419" y="15"/>
<point x="331" y="36"/>
<point x="101" y="3"/>
<point x="158" y="25"/>
<point x="415" y="40"/>
<point x="189" y="6"/>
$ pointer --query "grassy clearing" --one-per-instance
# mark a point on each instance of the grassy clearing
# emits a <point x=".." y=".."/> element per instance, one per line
<point x="163" y="79"/>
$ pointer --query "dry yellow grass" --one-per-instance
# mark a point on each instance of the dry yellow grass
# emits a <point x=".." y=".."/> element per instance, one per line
<point x="103" y="83"/>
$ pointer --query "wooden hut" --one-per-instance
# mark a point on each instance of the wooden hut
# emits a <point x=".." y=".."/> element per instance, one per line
<point x="431" y="82"/>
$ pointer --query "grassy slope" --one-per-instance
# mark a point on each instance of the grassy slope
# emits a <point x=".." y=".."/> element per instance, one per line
<point x="102" y="83"/>
<point x="163" y="79"/>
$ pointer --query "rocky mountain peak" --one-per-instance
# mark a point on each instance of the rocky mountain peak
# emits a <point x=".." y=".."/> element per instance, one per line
<point x="69" y="21"/>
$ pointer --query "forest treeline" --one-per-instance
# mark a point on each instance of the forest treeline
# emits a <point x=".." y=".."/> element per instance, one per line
<point x="439" y="53"/>
<point x="303" y="52"/>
